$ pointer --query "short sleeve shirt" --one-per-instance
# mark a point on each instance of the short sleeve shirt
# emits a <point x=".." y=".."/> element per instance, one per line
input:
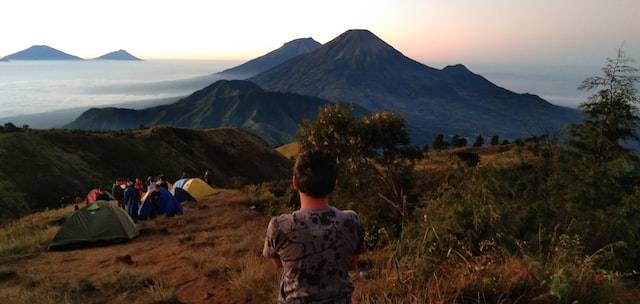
<point x="316" y="247"/>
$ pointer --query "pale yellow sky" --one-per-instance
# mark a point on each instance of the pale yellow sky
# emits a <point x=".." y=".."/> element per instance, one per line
<point x="526" y="31"/>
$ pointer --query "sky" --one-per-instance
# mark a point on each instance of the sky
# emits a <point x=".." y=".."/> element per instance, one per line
<point x="544" y="32"/>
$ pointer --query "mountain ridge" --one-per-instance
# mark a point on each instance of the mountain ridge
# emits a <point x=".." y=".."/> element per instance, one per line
<point x="359" y="67"/>
<point x="273" y="58"/>
<point x="274" y="116"/>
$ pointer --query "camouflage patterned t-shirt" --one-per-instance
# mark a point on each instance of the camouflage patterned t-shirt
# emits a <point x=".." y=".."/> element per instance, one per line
<point x="316" y="247"/>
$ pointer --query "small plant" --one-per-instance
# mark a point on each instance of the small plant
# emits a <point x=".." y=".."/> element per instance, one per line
<point x="161" y="293"/>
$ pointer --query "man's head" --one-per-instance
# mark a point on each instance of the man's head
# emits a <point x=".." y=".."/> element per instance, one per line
<point x="315" y="173"/>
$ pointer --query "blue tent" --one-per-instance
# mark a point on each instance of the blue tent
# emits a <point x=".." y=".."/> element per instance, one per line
<point x="179" y="193"/>
<point x="180" y="183"/>
<point x="165" y="204"/>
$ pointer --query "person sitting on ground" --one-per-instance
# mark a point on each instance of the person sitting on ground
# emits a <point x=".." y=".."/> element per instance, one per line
<point x="132" y="201"/>
<point x="154" y="200"/>
<point x="317" y="245"/>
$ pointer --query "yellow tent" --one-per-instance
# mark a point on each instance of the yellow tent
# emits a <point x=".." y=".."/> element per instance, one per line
<point x="198" y="188"/>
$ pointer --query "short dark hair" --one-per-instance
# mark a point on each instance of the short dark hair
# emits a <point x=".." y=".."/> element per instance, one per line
<point x="316" y="172"/>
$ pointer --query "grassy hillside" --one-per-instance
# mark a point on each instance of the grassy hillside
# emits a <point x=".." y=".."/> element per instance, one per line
<point x="274" y="116"/>
<point x="211" y="254"/>
<point x="38" y="168"/>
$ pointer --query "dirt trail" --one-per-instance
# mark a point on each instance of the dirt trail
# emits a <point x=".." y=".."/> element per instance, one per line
<point x="175" y="251"/>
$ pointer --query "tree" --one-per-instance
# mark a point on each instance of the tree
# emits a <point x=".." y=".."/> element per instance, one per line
<point x="458" y="141"/>
<point x="10" y="127"/>
<point x="374" y="155"/>
<point x="495" y="140"/>
<point x="439" y="143"/>
<point x="611" y="113"/>
<point x="479" y="141"/>
<point x="597" y="174"/>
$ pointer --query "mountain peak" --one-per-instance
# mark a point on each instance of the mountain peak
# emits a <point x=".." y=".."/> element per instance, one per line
<point x="359" y="43"/>
<point x="457" y="68"/>
<point x="287" y="51"/>
<point x="41" y="52"/>
<point x="118" y="55"/>
<point x="302" y="41"/>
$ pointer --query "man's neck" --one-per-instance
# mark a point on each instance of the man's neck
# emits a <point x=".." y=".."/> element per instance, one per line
<point x="308" y="202"/>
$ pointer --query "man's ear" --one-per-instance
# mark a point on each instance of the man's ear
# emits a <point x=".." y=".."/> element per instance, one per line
<point x="294" y="183"/>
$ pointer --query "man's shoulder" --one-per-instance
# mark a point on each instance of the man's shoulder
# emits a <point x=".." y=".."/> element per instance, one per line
<point x="281" y="220"/>
<point x="347" y="214"/>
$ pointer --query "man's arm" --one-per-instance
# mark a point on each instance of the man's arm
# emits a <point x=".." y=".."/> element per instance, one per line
<point x="269" y="250"/>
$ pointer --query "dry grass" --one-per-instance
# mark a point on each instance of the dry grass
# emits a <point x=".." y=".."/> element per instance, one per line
<point x="257" y="275"/>
<point x="31" y="233"/>
<point x="161" y="293"/>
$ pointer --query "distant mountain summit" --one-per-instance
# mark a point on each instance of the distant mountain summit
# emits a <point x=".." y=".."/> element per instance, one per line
<point x="274" y="116"/>
<point x="41" y="52"/>
<point x="359" y="67"/>
<point x="287" y="51"/>
<point x="119" y="55"/>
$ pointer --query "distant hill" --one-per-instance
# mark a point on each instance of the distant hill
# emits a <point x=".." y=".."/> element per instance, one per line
<point x="359" y="67"/>
<point x="37" y="168"/>
<point x="287" y="51"/>
<point x="274" y="116"/>
<point x="59" y="118"/>
<point x="41" y="52"/>
<point x="119" y="55"/>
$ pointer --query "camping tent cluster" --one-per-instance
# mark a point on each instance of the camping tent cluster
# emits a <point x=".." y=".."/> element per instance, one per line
<point x="101" y="221"/>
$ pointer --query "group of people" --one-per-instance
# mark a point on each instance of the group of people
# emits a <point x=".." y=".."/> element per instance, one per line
<point x="129" y="193"/>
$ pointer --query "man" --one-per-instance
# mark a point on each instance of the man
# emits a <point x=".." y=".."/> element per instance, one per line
<point x="118" y="194"/>
<point x="132" y="201"/>
<point x="317" y="245"/>
<point x="207" y="178"/>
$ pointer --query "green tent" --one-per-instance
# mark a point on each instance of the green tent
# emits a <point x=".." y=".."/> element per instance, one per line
<point x="98" y="223"/>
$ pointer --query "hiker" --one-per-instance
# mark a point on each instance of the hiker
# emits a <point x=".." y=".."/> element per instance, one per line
<point x="118" y="194"/>
<point x="317" y="245"/>
<point x="140" y="187"/>
<point x="207" y="178"/>
<point x="132" y="200"/>
<point x="162" y="182"/>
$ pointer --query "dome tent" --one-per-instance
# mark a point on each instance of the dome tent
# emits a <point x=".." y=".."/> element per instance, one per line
<point x="98" y="223"/>
<point x="165" y="204"/>
<point x="197" y="188"/>
<point x="179" y="193"/>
